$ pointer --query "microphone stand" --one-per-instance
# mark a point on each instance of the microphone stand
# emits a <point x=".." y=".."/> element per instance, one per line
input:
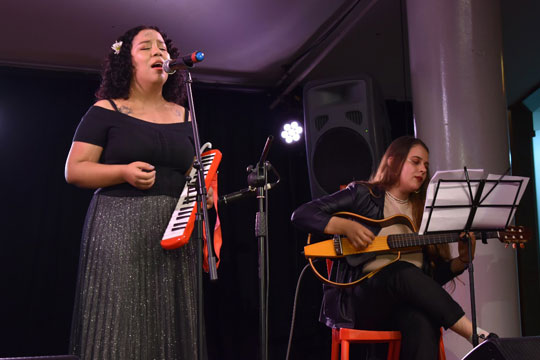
<point x="201" y="218"/>
<point x="258" y="184"/>
<point x="258" y="178"/>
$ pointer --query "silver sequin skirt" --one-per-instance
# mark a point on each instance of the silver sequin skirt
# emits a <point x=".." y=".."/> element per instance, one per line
<point x="134" y="299"/>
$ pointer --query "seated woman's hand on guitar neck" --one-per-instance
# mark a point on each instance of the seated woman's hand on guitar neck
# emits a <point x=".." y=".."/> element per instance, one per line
<point x="461" y="262"/>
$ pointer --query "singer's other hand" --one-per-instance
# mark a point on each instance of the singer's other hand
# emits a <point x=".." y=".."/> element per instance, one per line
<point x="210" y="198"/>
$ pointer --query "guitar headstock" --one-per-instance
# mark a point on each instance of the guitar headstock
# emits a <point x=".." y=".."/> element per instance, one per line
<point x="515" y="235"/>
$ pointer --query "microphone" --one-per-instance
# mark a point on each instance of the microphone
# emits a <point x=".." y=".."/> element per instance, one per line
<point x="247" y="192"/>
<point x="183" y="62"/>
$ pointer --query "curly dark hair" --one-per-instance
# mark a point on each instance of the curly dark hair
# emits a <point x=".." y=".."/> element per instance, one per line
<point x="118" y="71"/>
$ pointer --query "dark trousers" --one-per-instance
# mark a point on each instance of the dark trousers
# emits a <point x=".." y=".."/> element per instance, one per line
<point x="402" y="297"/>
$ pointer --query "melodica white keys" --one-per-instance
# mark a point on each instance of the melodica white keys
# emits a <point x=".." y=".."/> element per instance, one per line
<point x="182" y="220"/>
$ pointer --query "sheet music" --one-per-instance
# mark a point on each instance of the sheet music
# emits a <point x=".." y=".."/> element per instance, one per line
<point x="485" y="217"/>
<point x="457" y="194"/>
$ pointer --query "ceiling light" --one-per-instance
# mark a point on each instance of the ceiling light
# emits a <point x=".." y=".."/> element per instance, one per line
<point x="291" y="132"/>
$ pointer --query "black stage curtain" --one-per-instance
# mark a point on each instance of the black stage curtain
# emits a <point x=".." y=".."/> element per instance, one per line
<point x="42" y="219"/>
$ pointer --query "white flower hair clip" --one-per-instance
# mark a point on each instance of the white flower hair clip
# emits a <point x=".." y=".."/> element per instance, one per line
<point x="116" y="47"/>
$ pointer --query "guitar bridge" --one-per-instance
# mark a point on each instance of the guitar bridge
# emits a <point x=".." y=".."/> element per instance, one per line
<point x="338" y="248"/>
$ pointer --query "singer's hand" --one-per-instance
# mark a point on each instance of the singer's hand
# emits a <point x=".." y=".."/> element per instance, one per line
<point x="140" y="174"/>
<point x="210" y="198"/>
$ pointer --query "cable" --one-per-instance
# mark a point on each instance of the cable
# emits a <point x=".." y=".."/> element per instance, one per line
<point x="294" y="309"/>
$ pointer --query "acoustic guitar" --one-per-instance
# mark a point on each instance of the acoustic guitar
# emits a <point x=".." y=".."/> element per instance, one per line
<point x="340" y="246"/>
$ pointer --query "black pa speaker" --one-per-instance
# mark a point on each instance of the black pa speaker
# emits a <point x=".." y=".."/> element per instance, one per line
<point x="524" y="348"/>
<point x="347" y="131"/>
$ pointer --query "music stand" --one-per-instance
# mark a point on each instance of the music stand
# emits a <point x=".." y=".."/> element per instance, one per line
<point x="457" y="203"/>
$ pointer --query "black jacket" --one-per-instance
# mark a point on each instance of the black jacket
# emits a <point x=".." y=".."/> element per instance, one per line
<point x="337" y="306"/>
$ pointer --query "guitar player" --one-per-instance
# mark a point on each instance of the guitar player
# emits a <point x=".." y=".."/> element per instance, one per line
<point x="406" y="293"/>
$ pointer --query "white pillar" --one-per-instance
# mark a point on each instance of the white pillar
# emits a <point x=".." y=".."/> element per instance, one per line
<point x="459" y="106"/>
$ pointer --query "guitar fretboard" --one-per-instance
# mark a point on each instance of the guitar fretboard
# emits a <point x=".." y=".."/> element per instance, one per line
<point x="412" y="240"/>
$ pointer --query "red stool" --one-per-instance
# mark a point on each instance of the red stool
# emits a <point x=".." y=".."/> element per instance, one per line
<point x="341" y="339"/>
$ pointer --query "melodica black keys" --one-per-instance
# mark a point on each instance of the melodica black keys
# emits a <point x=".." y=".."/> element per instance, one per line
<point x="182" y="220"/>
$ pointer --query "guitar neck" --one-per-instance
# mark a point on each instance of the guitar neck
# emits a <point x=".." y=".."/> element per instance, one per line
<point x="412" y="240"/>
<point x="341" y="246"/>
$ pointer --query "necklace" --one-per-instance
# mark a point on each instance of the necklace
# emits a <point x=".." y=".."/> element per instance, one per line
<point x="399" y="201"/>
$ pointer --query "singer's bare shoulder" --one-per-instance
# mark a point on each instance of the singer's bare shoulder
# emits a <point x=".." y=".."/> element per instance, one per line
<point x="122" y="105"/>
<point x="104" y="104"/>
<point x="180" y="112"/>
